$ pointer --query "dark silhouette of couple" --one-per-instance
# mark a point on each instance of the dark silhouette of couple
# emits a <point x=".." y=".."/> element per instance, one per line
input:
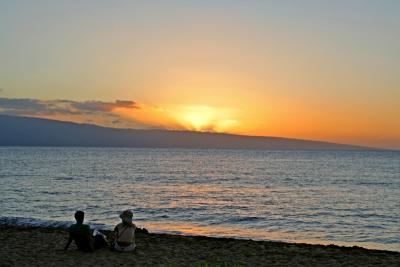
<point x="87" y="240"/>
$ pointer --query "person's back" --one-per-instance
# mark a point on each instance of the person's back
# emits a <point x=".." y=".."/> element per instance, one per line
<point x="125" y="233"/>
<point x="82" y="235"/>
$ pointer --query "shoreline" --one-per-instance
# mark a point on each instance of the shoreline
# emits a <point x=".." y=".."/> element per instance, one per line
<point x="43" y="246"/>
<point x="26" y="222"/>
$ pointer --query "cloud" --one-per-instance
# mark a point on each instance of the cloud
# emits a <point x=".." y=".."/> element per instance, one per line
<point x="34" y="107"/>
<point x="94" y="106"/>
<point x="93" y="111"/>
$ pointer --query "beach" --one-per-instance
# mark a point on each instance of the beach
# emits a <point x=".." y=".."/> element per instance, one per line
<point x="44" y="247"/>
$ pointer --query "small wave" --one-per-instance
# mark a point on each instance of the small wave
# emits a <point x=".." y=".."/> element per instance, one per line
<point x="374" y="183"/>
<point x="242" y="219"/>
<point x="63" y="178"/>
<point x="49" y="193"/>
<point x="374" y="226"/>
<point x="33" y="222"/>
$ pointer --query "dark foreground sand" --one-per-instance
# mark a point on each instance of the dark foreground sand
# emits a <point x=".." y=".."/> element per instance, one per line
<point x="43" y="247"/>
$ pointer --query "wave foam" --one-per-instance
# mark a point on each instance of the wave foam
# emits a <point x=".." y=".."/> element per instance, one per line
<point x="33" y="222"/>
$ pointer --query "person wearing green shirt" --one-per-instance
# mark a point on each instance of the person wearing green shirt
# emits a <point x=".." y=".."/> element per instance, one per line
<point x="82" y="235"/>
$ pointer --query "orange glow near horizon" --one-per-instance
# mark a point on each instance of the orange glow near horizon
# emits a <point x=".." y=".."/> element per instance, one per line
<point x="257" y="118"/>
<point x="275" y="117"/>
<point x="192" y="118"/>
<point x="291" y="120"/>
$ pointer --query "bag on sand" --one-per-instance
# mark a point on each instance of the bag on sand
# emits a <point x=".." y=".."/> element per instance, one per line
<point x="99" y="242"/>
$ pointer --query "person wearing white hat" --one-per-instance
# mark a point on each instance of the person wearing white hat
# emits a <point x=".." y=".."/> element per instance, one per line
<point x="125" y="233"/>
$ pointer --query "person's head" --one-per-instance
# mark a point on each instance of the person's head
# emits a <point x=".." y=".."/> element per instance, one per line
<point x="126" y="216"/>
<point x="79" y="216"/>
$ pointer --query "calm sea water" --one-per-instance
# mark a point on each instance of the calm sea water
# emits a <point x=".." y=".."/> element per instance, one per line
<point x="339" y="197"/>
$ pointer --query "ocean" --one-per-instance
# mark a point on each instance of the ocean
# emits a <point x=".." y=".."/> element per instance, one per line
<point x="323" y="197"/>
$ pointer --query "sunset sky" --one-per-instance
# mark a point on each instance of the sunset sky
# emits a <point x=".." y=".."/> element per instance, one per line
<point x="320" y="70"/>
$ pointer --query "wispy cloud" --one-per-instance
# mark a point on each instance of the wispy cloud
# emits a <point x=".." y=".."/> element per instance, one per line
<point x="29" y="106"/>
<point x="93" y="111"/>
<point x="96" y="106"/>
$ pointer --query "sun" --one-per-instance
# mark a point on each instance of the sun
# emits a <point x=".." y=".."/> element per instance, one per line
<point x="205" y="118"/>
<point x="198" y="118"/>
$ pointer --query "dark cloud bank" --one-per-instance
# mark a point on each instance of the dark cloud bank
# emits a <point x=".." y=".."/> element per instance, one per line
<point x="36" y="107"/>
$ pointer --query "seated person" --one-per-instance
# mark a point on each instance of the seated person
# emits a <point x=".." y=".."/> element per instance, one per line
<point x="82" y="235"/>
<point x="125" y="233"/>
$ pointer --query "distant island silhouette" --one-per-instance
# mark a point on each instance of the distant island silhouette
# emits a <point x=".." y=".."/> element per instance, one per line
<point x="27" y="131"/>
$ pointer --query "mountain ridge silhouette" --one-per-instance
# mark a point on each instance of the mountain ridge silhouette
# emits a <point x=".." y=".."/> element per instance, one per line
<point x="28" y="131"/>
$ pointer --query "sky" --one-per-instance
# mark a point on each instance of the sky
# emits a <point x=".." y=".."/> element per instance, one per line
<point x="319" y="70"/>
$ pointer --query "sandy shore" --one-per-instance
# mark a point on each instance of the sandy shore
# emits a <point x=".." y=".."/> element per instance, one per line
<point x="43" y="247"/>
